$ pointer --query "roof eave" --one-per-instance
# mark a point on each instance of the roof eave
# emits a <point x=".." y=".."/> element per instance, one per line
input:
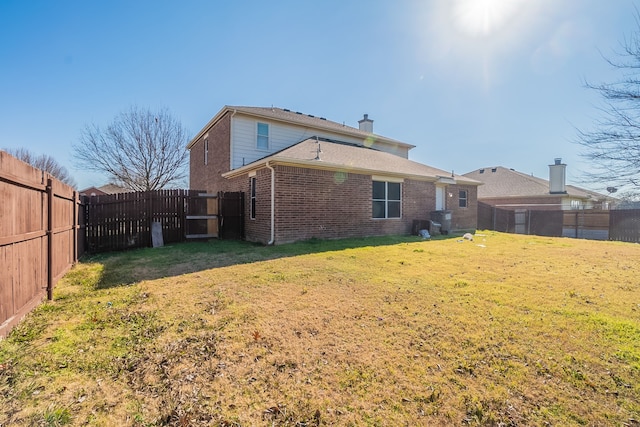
<point x="208" y="126"/>
<point x="319" y="164"/>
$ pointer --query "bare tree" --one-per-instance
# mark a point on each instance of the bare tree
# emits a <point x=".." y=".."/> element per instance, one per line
<point x="43" y="162"/>
<point x="614" y="146"/>
<point x="140" y="150"/>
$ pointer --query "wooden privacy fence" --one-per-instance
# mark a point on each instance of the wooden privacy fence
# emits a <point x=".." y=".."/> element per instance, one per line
<point x="124" y="221"/>
<point x="121" y="221"/>
<point x="40" y="237"/>
<point x="625" y="225"/>
<point x="586" y="224"/>
<point x="620" y="225"/>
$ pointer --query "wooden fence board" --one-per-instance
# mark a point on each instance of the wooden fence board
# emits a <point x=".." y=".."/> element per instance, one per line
<point x="620" y="225"/>
<point x="36" y="248"/>
<point x="625" y="225"/>
<point x="123" y="221"/>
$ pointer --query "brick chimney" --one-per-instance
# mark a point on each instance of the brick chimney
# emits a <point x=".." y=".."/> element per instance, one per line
<point x="366" y="124"/>
<point x="557" y="177"/>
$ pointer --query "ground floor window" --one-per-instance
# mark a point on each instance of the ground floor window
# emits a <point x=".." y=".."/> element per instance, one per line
<point x="252" y="191"/>
<point x="386" y="199"/>
<point x="463" y="198"/>
<point x="576" y="204"/>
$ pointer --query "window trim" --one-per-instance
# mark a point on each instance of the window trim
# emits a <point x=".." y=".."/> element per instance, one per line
<point x="386" y="199"/>
<point x="259" y="136"/>
<point x="252" y="197"/>
<point x="464" y="199"/>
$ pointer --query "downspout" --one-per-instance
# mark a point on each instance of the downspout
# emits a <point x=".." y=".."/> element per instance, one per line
<point x="273" y="206"/>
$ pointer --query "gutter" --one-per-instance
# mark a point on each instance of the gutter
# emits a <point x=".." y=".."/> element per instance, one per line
<point x="273" y="206"/>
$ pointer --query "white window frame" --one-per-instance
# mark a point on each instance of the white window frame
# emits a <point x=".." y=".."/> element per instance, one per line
<point x="252" y="197"/>
<point x="465" y="198"/>
<point x="262" y="137"/>
<point x="386" y="199"/>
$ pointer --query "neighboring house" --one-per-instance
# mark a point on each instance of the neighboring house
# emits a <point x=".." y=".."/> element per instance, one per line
<point x="104" y="190"/>
<point x="308" y="177"/>
<point x="510" y="189"/>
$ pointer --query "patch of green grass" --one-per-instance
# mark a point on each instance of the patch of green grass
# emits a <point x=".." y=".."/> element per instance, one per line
<point x="56" y="417"/>
<point x="395" y="331"/>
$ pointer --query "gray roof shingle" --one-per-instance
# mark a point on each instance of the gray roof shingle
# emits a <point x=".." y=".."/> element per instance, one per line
<point x="503" y="182"/>
<point x="336" y="155"/>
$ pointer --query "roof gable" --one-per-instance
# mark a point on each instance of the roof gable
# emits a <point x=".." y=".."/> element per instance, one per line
<point x="292" y="117"/>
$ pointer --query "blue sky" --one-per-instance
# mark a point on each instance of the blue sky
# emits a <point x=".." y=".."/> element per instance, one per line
<point x="471" y="83"/>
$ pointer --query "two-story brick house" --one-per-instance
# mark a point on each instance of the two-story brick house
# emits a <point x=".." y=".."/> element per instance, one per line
<point x="306" y="177"/>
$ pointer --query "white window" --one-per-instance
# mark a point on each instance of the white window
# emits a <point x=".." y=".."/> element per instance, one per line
<point x="206" y="151"/>
<point x="576" y="204"/>
<point x="262" y="141"/>
<point x="463" y="197"/>
<point x="386" y="199"/>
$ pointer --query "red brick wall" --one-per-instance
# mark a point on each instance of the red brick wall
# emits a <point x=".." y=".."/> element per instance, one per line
<point x="462" y="219"/>
<point x="324" y="204"/>
<point x="258" y="229"/>
<point x="208" y="177"/>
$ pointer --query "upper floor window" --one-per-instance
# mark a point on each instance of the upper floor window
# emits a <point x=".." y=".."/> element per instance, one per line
<point x="263" y="136"/>
<point x="206" y="151"/>
<point x="463" y="198"/>
<point x="386" y="199"/>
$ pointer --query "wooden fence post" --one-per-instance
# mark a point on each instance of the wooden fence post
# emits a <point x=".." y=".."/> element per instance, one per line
<point x="75" y="224"/>
<point x="49" y="239"/>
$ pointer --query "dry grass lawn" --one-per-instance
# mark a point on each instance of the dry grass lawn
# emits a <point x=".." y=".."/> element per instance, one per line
<point x="502" y="330"/>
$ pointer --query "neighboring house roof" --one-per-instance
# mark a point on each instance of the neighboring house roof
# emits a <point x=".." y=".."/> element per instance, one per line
<point x="288" y="116"/>
<point x="335" y="155"/>
<point x="503" y="182"/>
<point x="106" y="189"/>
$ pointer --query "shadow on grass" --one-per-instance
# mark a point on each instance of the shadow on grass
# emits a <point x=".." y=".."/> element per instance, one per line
<point x="125" y="268"/>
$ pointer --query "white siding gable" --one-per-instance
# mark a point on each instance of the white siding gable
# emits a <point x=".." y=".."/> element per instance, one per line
<point x="244" y="138"/>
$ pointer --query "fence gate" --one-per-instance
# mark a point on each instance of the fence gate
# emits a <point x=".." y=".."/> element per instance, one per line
<point x="521" y="221"/>
<point x="202" y="216"/>
<point x="231" y="209"/>
<point x="219" y="215"/>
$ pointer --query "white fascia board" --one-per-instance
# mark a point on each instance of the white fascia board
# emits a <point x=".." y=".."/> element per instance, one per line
<point x="319" y="164"/>
<point x="387" y="178"/>
<point x="446" y="180"/>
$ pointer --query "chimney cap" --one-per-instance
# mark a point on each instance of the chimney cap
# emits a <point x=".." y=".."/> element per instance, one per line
<point x="557" y="160"/>
<point x="366" y="124"/>
<point x="365" y="119"/>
